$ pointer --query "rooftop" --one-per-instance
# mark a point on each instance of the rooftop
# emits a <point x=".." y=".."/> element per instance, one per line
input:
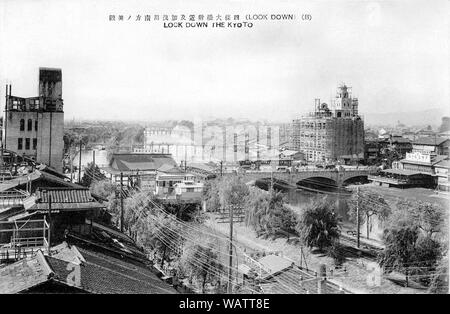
<point x="430" y="140"/>
<point x="34" y="176"/>
<point x="142" y="162"/>
<point x="443" y="164"/>
<point x="404" y="172"/>
<point x="98" y="273"/>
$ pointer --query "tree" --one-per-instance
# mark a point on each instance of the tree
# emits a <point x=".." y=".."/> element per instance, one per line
<point x="428" y="252"/>
<point x="398" y="253"/>
<point x="439" y="281"/>
<point x="415" y="238"/>
<point x="225" y="192"/>
<point x="336" y="251"/>
<point x="165" y="239"/>
<point x="388" y="155"/>
<point x="211" y="196"/>
<point x="406" y="250"/>
<point x="232" y="191"/>
<point x="91" y="174"/>
<point x="430" y="218"/>
<point x="201" y="261"/>
<point x="319" y="225"/>
<point x="139" y="137"/>
<point x="268" y="214"/>
<point x="106" y="189"/>
<point x="370" y="204"/>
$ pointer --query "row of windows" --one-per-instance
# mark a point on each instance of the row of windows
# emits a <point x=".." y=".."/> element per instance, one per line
<point x="313" y="125"/>
<point x="27" y="143"/>
<point x="29" y="125"/>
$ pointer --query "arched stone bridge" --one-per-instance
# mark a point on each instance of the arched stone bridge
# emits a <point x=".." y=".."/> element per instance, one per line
<point x="339" y="177"/>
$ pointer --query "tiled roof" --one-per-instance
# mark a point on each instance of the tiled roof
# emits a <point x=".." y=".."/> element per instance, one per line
<point x="274" y="263"/>
<point x="102" y="273"/>
<point x="67" y="199"/>
<point x="203" y="166"/>
<point x="98" y="273"/>
<point x="306" y="283"/>
<point x="24" y="274"/>
<point x="65" y="195"/>
<point x="133" y="162"/>
<point x="430" y="140"/>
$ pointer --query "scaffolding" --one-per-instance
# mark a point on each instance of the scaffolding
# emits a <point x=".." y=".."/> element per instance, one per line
<point x="22" y="238"/>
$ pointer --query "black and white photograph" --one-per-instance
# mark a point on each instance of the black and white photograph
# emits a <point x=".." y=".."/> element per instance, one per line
<point x="224" y="152"/>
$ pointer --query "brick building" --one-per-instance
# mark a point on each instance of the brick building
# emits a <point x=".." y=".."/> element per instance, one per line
<point x="34" y="126"/>
<point x="331" y="134"/>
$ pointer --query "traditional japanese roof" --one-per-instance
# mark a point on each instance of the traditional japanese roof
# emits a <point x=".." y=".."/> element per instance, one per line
<point x="83" y="269"/>
<point x="104" y="274"/>
<point x="278" y="274"/>
<point x="397" y="140"/>
<point x="430" y="140"/>
<point x="68" y="199"/>
<point x="142" y="162"/>
<point x="274" y="263"/>
<point x="206" y="167"/>
<point x="32" y="271"/>
<point x="65" y="195"/>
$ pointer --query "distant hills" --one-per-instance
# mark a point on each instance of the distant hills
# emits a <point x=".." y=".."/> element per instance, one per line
<point x="432" y="116"/>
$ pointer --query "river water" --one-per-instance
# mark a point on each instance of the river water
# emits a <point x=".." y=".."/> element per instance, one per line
<point x="300" y="198"/>
<point x="87" y="156"/>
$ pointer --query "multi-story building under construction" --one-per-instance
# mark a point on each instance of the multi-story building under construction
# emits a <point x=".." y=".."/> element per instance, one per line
<point x="34" y="126"/>
<point x="331" y="133"/>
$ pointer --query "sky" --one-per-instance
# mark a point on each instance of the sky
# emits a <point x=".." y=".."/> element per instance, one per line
<point x="394" y="55"/>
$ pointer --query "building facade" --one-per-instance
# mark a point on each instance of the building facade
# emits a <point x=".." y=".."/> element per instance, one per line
<point x="34" y="126"/>
<point x="432" y="144"/>
<point x="333" y="133"/>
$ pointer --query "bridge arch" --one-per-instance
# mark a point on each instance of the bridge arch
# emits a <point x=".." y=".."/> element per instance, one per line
<point x="355" y="179"/>
<point x="278" y="183"/>
<point x="318" y="182"/>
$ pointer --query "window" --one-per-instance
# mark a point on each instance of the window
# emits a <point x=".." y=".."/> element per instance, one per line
<point x="35" y="143"/>
<point x="22" y="124"/>
<point x="30" y="125"/>
<point x="36" y="125"/>
<point x="190" y="190"/>
<point x="27" y="143"/>
<point x="19" y="143"/>
<point x="34" y="104"/>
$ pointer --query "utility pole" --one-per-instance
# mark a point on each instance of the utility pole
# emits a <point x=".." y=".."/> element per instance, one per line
<point x="121" y="202"/>
<point x="221" y="168"/>
<point x="79" y="164"/>
<point x="71" y="168"/>
<point x="185" y="158"/>
<point x="271" y="182"/>
<point x="357" y="217"/>
<point x="49" y="221"/>
<point x="93" y="157"/>
<point x="230" y="252"/>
